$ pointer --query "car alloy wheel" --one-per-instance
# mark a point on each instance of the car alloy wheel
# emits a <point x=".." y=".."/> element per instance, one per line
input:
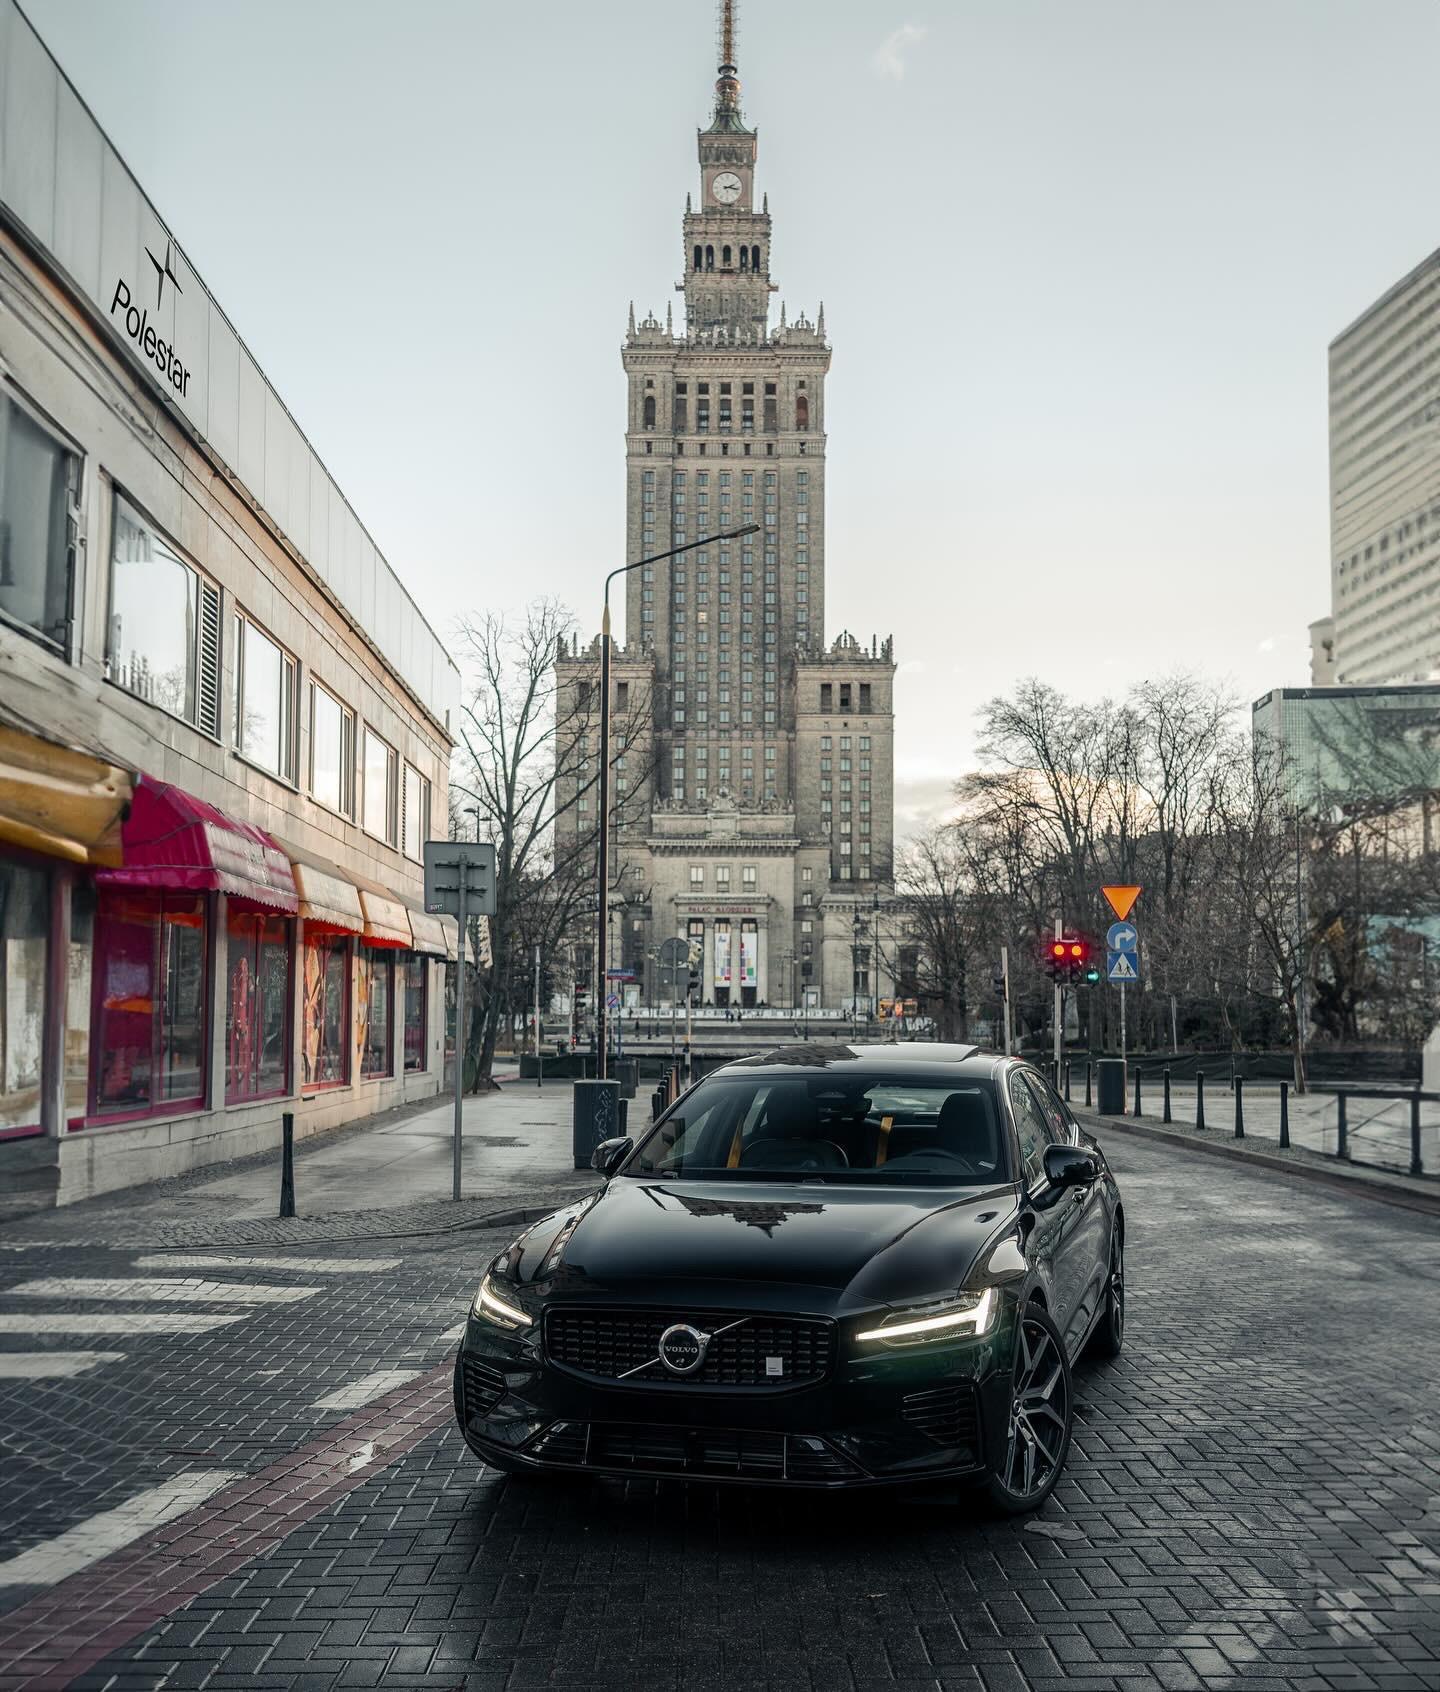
<point x="1110" y="1329"/>
<point x="1037" y="1436"/>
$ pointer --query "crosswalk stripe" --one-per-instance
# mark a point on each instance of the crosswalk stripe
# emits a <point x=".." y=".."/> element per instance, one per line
<point x="52" y="1365"/>
<point x="159" y="1291"/>
<point x="360" y="1392"/>
<point x="115" y="1322"/>
<point x="88" y="1541"/>
<point x="298" y="1265"/>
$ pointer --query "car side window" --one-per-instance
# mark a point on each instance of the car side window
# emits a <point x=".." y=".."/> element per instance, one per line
<point x="1031" y="1127"/>
<point x="1061" y="1126"/>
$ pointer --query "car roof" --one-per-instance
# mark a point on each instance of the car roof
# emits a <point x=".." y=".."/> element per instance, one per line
<point x="907" y="1058"/>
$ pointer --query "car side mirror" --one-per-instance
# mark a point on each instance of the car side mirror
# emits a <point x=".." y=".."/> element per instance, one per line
<point x="609" y="1155"/>
<point x="1070" y="1166"/>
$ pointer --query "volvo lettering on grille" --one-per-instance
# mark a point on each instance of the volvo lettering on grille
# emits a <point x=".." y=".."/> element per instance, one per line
<point x="682" y="1348"/>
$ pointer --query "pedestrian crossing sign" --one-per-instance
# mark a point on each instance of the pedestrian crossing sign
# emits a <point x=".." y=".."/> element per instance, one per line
<point x="1122" y="966"/>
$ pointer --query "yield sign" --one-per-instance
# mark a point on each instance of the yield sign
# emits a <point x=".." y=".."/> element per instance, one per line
<point x="1121" y="899"/>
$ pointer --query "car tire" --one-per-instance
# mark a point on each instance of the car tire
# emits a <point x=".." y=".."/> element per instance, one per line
<point x="1109" y="1335"/>
<point x="1032" y="1452"/>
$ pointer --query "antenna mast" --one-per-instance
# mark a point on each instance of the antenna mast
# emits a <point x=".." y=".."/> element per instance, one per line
<point x="727" y="36"/>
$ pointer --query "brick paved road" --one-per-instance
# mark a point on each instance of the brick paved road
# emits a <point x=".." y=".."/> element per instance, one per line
<point x="1253" y="1500"/>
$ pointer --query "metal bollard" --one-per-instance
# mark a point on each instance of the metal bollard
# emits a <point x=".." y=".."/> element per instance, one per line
<point x="1137" y="1093"/>
<point x="287" y="1164"/>
<point x="1284" y="1115"/>
<point x="1342" y="1141"/>
<point x="1416" y="1167"/>
<point x="1199" y="1098"/>
<point x="1239" y="1107"/>
<point x="1067" y="1080"/>
<point x="1165" y="1075"/>
<point x="1087" y="1083"/>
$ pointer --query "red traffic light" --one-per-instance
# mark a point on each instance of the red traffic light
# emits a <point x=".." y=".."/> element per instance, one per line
<point x="1077" y="950"/>
<point x="1059" y="949"/>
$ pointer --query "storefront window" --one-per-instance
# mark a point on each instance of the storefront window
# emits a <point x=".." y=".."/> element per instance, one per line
<point x="374" y="1024"/>
<point x="257" y="1006"/>
<point x="150" y="1015"/>
<point x="326" y="1026"/>
<point x="417" y="976"/>
<point x="24" y="928"/>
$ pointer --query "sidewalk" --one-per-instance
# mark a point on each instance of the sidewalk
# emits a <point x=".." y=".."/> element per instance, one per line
<point x="386" y="1178"/>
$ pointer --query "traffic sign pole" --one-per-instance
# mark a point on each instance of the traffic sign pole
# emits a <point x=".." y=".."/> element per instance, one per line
<point x="1058" y="1011"/>
<point x="459" y="1040"/>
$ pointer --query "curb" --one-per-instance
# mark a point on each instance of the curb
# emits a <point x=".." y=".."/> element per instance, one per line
<point x="1362" y="1186"/>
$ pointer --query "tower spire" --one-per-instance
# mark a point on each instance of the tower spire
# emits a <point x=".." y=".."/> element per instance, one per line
<point x="727" y="85"/>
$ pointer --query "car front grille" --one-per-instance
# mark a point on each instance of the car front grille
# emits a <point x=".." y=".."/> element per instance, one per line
<point x="713" y="1453"/>
<point x="483" y="1387"/>
<point x="947" y="1415"/>
<point x="761" y="1352"/>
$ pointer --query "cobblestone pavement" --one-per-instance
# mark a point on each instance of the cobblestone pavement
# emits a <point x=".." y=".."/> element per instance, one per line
<point x="1252" y="1501"/>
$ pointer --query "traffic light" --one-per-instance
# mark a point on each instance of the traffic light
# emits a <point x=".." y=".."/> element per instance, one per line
<point x="1066" y="958"/>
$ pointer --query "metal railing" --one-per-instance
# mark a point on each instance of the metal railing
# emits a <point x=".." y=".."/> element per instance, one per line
<point x="1379" y="1127"/>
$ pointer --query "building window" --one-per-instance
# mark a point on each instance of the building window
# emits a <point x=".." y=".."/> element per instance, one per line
<point x="39" y="526"/>
<point x="325" y="1041"/>
<point x="150" y="1002"/>
<point x="697" y="877"/>
<point x="164" y="636"/>
<point x="264" y="701"/>
<point x="378" y="798"/>
<point x="415" y="813"/>
<point x="257" y="1005"/>
<point x="24" y="931"/>
<point x="747" y="877"/>
<point x="332" y="752"/>
<point x="417" y="982"/>
<point x="374" y="1012"/>
<point x="722" y="878"/>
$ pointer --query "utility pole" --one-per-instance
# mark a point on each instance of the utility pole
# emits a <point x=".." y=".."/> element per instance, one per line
<point x="1058" y="1010"/>
<point x="1005" y="986"/>
<point x="539" y="1060"/>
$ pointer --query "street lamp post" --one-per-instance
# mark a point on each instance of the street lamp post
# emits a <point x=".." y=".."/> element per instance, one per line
<point x="602" y="868"/>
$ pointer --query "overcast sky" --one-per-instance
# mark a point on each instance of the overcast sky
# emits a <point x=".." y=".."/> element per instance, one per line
<point x="1080" y="264"/>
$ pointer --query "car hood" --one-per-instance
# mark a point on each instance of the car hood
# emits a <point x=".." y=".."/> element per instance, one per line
<point x="805" y="1245"/>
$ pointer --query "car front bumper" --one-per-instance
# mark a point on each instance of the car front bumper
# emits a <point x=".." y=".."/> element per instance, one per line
<point x="882" y="1417"/>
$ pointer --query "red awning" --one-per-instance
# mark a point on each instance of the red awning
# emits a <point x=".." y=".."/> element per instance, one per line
<point x="172" y="839"/>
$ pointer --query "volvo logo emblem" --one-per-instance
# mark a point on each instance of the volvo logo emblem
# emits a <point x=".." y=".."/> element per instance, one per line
<point x="683" y="1348"/>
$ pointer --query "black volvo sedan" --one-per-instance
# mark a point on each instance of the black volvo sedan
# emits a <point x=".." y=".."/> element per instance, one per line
<point x="828" y="1266"/>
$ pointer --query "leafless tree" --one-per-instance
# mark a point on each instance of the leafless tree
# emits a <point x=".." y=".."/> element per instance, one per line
<point x="525" y="762"/>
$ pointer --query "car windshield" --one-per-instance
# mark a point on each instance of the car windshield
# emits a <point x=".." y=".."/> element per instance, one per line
<point x="855" y="1127"/>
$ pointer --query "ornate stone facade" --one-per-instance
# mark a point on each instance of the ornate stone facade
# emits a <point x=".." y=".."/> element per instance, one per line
<point x="761" y="822"/>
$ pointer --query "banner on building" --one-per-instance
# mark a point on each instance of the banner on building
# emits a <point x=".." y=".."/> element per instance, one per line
<point x="722" y="954"/>
<point x="749" y="954"/>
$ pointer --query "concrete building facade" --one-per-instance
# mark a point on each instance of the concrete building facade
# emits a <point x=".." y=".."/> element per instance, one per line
<point x="1385" y="489"/>
<point x="761" y="825"/>
<point x="224" y="725"/>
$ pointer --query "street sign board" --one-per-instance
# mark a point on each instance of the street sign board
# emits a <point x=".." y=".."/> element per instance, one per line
<point x="1122" y="966"/>
<point x="612" y="1001"/>
<point x="1121" y="937"/>
<point x="445" y="861"/>
<point x="1120" y="899"/>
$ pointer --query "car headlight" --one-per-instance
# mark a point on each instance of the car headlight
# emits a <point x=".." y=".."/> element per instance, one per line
<point x="957" y="1318"/>
<point x="493" y="1307"/>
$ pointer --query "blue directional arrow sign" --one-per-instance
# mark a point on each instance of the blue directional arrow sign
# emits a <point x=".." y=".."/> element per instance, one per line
<point x="1121" y="937"/>
<point x="1122" y="966"/>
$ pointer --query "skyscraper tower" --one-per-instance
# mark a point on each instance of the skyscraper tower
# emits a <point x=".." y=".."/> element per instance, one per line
<point x="767" y="777"/>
